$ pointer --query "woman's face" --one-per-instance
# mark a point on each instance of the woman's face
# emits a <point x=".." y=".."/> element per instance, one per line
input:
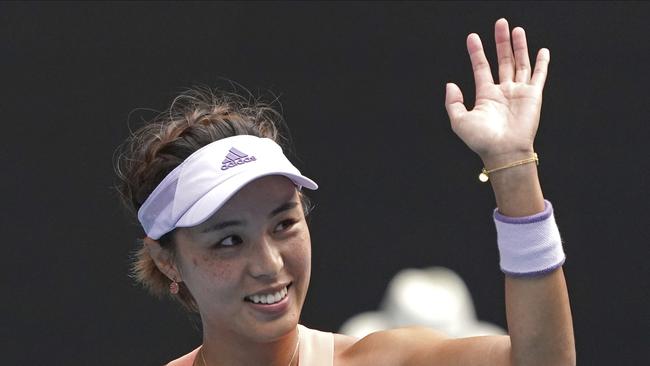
<point x="248" y="266"/>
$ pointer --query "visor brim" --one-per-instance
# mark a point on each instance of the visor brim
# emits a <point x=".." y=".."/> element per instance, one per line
<point x="212" y="201"/>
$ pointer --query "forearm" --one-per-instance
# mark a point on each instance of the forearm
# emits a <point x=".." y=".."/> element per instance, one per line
<point x="538" y="312"/>
<point x="516" y="190"/>
<point x="539" y="320"/>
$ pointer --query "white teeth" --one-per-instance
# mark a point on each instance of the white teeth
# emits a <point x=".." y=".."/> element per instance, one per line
<point x="269" y="298"/>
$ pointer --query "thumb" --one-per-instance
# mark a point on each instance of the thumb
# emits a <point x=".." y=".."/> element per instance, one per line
<point x="454" y="102"/>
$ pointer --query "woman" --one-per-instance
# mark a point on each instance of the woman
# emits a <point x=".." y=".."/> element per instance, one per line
<point x="224" y="213"/>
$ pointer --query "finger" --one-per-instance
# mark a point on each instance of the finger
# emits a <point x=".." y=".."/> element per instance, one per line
<point x="522" y="62"/>
<point x="504" y="51"/>
<point x="480" y="65"/>
<point x="541" y="68"/>
<point x="454" y="102"/>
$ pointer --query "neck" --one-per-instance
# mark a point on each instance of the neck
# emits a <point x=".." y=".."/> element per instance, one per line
<point x="234" y="349"/>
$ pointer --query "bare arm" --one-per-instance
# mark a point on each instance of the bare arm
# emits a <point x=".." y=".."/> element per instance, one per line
<point x="501" y="129"/>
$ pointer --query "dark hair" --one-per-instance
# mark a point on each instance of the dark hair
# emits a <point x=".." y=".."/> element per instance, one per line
<point x="196" y="117"/>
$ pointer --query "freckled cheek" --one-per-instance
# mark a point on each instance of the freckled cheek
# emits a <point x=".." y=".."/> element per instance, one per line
<point x="300" y="254"/>
<point x="213" y="279"/>
<point x="216" y="269"/>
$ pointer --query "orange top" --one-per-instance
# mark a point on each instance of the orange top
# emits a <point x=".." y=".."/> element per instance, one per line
<point x="186" y="360"/>
<point x="316" y="349"/>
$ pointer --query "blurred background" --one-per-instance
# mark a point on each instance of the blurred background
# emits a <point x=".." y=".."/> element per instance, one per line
<point x="402" y="192"/>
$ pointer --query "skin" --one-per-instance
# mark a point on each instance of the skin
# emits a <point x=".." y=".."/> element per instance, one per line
<point x="222" y="267"/>
<point x="501" y="128"/>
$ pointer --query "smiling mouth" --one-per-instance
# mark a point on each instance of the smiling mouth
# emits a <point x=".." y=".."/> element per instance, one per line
<point x="270" y="298"/>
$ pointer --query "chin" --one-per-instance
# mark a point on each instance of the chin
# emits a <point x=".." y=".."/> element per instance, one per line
<point x="277" y="329"/>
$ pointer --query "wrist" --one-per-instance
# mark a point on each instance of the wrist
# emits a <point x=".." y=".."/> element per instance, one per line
<point x="517" y="190"/>
<point x="495" y="160"/>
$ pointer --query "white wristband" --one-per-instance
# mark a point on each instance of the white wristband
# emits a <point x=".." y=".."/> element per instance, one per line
<point x="531" y="245"/>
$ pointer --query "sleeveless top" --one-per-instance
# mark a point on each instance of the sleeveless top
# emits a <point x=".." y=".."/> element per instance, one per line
<point x="316" y="349"/>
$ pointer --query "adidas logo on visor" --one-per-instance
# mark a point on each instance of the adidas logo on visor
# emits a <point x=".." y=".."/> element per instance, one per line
<point x="234" y="158"/>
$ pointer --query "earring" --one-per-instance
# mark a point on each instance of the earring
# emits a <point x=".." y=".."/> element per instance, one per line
<point x="173" y="287"/>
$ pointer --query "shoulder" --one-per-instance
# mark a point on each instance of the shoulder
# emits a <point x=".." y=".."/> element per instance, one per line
<point x="415" y="346"/>
<point x="389" y="347"/>
<point x="186" y="360"/>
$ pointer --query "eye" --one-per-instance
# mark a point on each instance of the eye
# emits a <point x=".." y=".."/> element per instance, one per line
<point x="285" y="225"/>
<point x="230" y="241"/>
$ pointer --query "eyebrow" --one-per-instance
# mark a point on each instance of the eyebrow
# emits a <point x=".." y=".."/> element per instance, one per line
<point x="224" y="224"/>
<point x="284" y="207"/>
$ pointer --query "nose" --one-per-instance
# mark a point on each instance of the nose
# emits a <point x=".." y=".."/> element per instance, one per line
<point x="266" y="259"/>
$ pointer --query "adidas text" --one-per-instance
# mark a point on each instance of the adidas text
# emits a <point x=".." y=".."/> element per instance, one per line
<point x="233" y="163"/>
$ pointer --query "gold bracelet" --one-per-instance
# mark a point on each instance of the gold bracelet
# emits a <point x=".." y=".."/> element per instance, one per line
<point x="484" y="176"/>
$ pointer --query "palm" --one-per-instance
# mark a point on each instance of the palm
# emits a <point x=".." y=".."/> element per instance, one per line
<point x="505" y="117"/>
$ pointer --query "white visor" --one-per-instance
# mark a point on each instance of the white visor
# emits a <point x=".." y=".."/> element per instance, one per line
<point x="202" y="184"/>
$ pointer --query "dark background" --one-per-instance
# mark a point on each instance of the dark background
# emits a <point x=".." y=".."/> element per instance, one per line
<point x="362" y="88"/>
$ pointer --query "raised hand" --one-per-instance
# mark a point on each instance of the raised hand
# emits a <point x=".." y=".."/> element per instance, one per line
<point x="502" y="125"/>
